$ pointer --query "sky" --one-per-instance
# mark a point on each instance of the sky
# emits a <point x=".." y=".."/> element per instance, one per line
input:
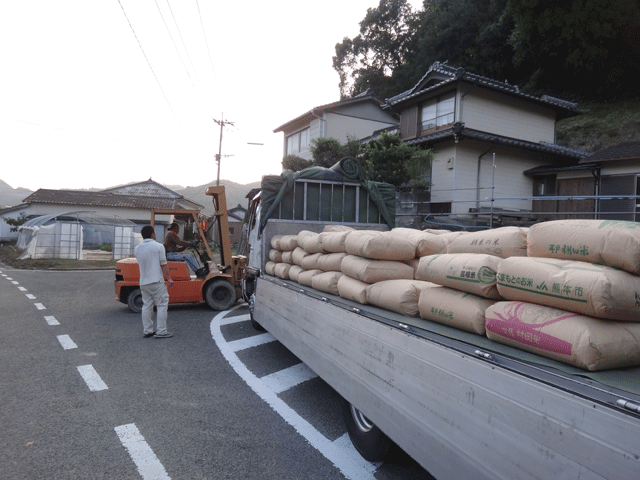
<point x="100" y="93"/>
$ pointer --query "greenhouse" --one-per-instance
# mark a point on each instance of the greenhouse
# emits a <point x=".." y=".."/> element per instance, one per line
<point x="71" y="235"/>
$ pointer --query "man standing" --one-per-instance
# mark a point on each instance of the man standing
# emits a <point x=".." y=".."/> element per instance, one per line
<point x="153" y="268"/>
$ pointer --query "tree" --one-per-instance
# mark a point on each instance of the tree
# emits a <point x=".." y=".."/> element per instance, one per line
<point x="327" y="151"/>
<point x="16" y="222"/>
<point x="586" y="45"/>
<point x="295" y="163"/>
<point x="389" y="159"/>
<point x="383" y="45"/>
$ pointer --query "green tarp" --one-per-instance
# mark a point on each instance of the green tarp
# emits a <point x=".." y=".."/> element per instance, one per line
<point x="347" y="170"/>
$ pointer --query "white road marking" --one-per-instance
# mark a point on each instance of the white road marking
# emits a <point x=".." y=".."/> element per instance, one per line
<point x="8" y="278"/>
<point x="15" y="282"/>
<point x="22" y="289"/>
<point x="91" y="378"/>
<point x="40" y="306"/>
<point x="66" y="342"/>
<point x="51" y="320"/>
<point x="345" y="444"/>
<point x="333" y="452"/>
<point x="31" y="296"/>
<point x="140" y="452"/>
<point x="253" y="341"/>
<point x="283" y="380"/>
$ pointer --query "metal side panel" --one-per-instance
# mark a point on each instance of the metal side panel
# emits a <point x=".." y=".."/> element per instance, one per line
<point x="457" y="415"/>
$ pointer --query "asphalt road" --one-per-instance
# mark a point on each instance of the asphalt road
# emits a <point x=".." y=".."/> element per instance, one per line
<point x="160" y="408"/>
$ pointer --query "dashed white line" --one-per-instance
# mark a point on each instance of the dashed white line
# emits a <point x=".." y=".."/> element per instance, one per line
<point x="40" y="306"/>
<point x="253" y="341"/>
<point x="22" y="289"/>
<point x="15" y="282"/>
<point x="285" y="379"/>
<point x="66" y="342"/>
<point x="51" y="320"/>
<point x="30" y="296"/>
<point x="91" y="378"/>
<point x="333" y="452"/>
<point x="140" y="452"/>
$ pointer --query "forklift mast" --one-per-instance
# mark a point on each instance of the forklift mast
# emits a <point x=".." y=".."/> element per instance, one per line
<point x="222" y="217"/>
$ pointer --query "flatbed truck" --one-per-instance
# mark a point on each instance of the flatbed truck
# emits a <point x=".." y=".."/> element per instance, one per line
<point x="462" y="406"/>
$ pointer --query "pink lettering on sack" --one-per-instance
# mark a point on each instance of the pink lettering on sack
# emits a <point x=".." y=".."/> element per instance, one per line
<point x="512" y="327"/>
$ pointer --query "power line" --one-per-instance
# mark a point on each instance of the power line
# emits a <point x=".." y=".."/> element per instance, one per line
<point x="174" y="43"/>
<point x="206" y="41"/>
<point x="148" y="62"/>
<point x="182" y="39"/>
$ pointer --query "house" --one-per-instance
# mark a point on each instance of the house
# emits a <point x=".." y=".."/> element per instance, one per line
<point x="356" y="117"/>
<point x="80" y="219"/>
<point x="485" y="135"/>
<point x="236" y="217"/>
<point x="133" y="202"/>
<point x="612" y="173"/>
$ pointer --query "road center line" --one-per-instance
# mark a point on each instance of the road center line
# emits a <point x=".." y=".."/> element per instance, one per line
<point x="140" y="452"/>
<point x="91" y="378"/>
<point x="22" y="289"/>
<point x="66" y="342"/>
<point x="51" y="320"/>
<point x="40" y="306"/>
<point x="30" y="296"/>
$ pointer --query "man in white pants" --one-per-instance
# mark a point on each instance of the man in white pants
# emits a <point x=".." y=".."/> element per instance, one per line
<point x="153" y="268"/>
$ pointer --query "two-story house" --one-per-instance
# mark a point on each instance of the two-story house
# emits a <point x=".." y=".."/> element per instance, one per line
<point x="356" y="117"/>
<point x="485" y="135"/>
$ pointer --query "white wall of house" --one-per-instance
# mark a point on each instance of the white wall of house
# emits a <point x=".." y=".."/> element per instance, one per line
<point x="620" y="168"/>
<point x="459" y="176"/>
<point x="500" y="114"/>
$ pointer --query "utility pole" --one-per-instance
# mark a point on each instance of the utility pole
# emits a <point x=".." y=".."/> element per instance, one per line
<point x="222" y="123"/>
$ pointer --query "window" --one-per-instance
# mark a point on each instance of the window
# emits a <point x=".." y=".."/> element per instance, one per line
<point x="438" y="113"/>
<point x="544" y="186"/>
<point x="298" y="142"/>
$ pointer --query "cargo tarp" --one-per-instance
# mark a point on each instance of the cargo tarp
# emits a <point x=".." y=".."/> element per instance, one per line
<point x="347" y="170"/>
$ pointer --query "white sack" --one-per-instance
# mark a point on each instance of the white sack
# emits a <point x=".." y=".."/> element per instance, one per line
<point x="502" y="242"/>
<point x="457" y="309"/>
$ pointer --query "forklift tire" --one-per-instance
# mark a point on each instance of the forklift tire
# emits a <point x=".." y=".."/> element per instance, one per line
<point x="220" y="294"/>
<point x="134" y="300"/>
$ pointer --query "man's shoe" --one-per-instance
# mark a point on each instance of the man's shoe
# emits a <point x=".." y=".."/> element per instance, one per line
<point x="147" y="335"/>
<point x="163" y="335"/>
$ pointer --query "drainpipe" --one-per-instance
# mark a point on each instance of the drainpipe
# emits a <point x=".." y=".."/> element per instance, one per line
<point x="322" y="124"/>
<point x="478" y="177"/>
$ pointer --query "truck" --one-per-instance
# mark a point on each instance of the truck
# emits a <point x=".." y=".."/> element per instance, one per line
<point x="460" y="404"/>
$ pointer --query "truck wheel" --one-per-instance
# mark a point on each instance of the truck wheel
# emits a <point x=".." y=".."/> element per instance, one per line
<point x="368" y="439"/>
<point x="254" y="324"/>
<point x="220" y="294"/>
<point x="134" y="300"/>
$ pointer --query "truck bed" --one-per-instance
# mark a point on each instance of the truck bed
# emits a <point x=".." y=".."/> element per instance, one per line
<point x="461" y="405"/>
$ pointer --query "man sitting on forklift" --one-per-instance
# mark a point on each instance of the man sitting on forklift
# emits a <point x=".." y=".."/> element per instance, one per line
<point x="173" y="246"/>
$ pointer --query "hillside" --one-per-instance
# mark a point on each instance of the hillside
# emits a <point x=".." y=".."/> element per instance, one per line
<point x="601" y="125"/>
<point x="10" y="197"/>
<point x="235" y="193"/>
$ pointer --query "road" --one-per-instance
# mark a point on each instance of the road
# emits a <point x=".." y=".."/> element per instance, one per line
<point x="84" y="395"/>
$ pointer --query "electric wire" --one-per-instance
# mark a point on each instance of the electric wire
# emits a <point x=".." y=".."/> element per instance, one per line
<point x="182" y="40"/>
<point x="174" y="43"/>
<point x="149" y="63"/>
<point x="206" y="41"/>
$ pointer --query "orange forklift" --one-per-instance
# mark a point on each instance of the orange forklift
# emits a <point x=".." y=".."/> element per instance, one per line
<point x="222" y="285"/>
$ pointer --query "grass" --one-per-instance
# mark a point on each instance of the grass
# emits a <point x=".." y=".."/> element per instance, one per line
<point x="9" y="256"/>
<point x="601" y="125"/>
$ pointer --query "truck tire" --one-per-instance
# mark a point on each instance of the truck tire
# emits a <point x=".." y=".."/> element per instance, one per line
<point x="220" y="294"/>
<point x="368" y="439"/>
<point x="134" y="300"/>
<point x="256" y="326"/>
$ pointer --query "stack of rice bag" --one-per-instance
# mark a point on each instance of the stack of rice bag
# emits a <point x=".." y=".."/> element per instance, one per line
<point x="568" y="290"/>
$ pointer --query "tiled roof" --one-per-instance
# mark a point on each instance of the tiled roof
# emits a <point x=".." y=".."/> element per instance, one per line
<point x="462" y="132"/>
<point x="622" y="151"/>
<point x="145" y="195"/>
<point x="366" y="96"/>
<point x="450" y="75"/>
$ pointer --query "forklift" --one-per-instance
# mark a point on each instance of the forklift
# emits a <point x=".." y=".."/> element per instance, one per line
<point x="222" y="285"/>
